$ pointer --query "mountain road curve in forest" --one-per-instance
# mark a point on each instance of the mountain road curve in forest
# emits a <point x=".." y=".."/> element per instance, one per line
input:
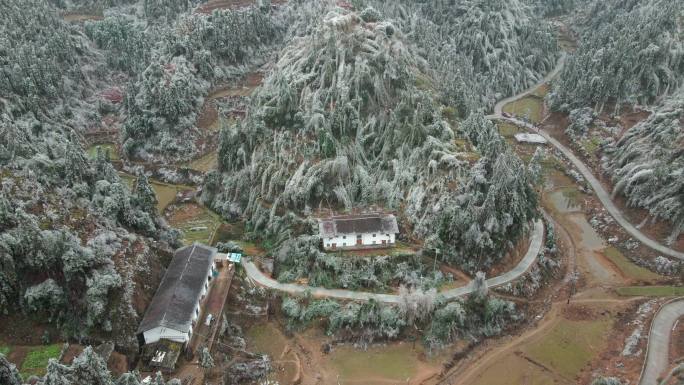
<point x="601" y="193"/>
<point x="536" y="242"/>
<point x="498" y="108"/>
<point x="658" y="351"/>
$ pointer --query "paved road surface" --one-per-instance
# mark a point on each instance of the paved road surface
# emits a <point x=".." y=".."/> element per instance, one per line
<point x="601" y="193"/>
<point x="498" y="108"/>
<point x="536" y="242"/>
<point x="658" y="355"/>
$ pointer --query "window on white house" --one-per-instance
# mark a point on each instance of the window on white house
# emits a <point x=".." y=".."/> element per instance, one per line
<point x="330" y="239"/>
<point x="344" y="237"/>
<point x="327" y="245"/>
<point x="359" y="236"/>
<point x="373" y="235"/>
<point x="373" y="242"/>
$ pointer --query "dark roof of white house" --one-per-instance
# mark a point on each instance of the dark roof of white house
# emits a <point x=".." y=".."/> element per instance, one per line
<point x="358" y="224"/>
<point x="180" y="289"/>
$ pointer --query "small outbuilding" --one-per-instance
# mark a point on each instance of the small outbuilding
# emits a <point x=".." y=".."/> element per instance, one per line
<point x="175" y="307"/>
<point x="355" y="232"/>
<point x="524" y="137"/>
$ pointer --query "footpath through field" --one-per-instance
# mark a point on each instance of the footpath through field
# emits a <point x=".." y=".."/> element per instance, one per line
<point x="536" y="242"/>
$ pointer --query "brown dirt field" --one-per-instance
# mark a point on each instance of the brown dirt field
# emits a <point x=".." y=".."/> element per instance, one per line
<point x="71" y="353"/>
<point x="18" y="329"/>
<point x="212" y="5"/>
<point x="117" y="363"/>
<point x="184" y="213"/>
<point x="578" y="312"/>
<point x="17" y="355"/>
<point x="243" y="87"/>
<point x="611" y="362"/>
<point x="630" y="119"/>
<point x="207" y="116"/>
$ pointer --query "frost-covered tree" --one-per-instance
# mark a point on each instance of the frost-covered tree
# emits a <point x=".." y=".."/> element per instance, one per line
<point x="55" y="200"/>
<point x="416" y="305"/>
<point x="479" y="285"/>
<point x="580" y="121"/>
<point x="606" y="381"/>
<point x="343" y="127"/>
<point x="647" y="164"/>
<point x="87" y="368"/>
<point x="144" y="194"/>
<point x="206" y="361"/>
<point x="9" y="374"/>
<point x="480" y="50"/>
<point x="630" y="52"/>
<point x="534" y="168"/>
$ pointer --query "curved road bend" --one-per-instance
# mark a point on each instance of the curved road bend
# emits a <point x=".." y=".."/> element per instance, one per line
<point x="536" y="242"/>
<point x="658" y="352"/>
<point x="601" y="193"/>
<point x="498" y="108"/>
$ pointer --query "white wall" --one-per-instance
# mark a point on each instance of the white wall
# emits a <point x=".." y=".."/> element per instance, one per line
<point x="349" y="240"/>
<point x="154" y="335"/>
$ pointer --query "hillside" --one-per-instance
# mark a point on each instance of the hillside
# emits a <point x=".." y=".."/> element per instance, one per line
<point x="75" y="243"/>
<point x="343" y="122"/>
<point x="481" y="51"/>
<point x="647" y="163"/>
<point x="630" y="52"/>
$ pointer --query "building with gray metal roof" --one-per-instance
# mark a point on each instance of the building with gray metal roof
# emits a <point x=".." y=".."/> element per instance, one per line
<point x="176" y="304"/>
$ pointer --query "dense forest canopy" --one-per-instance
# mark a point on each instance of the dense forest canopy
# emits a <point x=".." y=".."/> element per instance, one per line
<point x="347" y="119"/>
<point x="630" y="52"/>
<point x="64" y="218"/>
<point x="480" y="50"/>
<point x="647" y="163"/>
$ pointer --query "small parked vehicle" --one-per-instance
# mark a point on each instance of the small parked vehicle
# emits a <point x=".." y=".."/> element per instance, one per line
<point x="507" y="115"/>
<point x="210" y="318"/>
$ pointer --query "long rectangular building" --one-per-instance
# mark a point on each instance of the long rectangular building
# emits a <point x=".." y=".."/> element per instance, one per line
<point x="176" y="305"/>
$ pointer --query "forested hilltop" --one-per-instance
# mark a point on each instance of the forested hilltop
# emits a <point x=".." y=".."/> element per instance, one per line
<point x="630" y="52"/>
<point x="631" y="55"/>
<point x="75" y="242"/>
<point x="481" y="51"/>
<point x="349" y="118"/>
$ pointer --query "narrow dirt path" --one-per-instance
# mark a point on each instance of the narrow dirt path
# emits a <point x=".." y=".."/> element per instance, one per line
<point x="536" y="243"/>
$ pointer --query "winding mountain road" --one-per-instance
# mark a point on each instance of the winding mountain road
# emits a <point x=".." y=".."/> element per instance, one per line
<point x="601" y="193"/>
<point x="498" y="108"/>
<point x="536" y="242"/>
<point x="658" y="352"/>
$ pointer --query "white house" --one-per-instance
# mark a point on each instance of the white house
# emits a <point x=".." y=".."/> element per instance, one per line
<point x="353" y="232"/>
<point x="174" y="310"/>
